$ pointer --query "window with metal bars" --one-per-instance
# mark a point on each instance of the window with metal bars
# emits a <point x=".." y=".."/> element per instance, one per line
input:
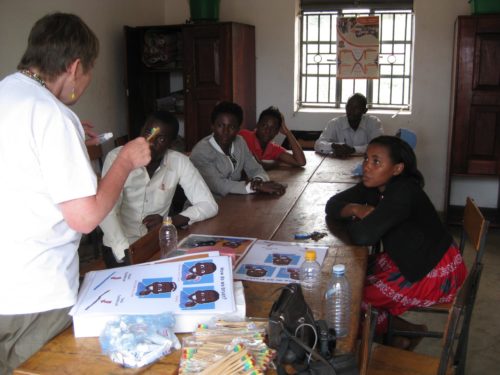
<point x="318" y="83"/>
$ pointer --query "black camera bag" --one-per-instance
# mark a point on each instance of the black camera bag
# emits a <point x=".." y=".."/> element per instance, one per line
<point x="294" y="344"/>
<point x="289" y="312"/>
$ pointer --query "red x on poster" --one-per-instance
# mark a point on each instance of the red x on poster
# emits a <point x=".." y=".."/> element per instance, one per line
<point x="358" y="47"/>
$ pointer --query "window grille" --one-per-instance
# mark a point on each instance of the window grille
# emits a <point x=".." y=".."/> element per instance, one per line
<point x="318" y="84"/>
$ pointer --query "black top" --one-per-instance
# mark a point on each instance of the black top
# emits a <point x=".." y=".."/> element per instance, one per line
<point x="404" y="219"/>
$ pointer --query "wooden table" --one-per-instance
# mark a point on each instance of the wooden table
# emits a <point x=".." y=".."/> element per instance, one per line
<point x="254" y="215"/>
<point x="260" y="296"/>
<point x="337" y="170"/>
<point x="301" y="209"/>
<point x="308" y="214"/>
<point x="286" y="173"/>
<point x="66" y="354"/>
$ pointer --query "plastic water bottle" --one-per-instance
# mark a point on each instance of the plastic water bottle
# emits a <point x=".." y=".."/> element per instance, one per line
<point x="168" y="237"/>
<point x="310" y="281"/>
<point x="338" y="302"/>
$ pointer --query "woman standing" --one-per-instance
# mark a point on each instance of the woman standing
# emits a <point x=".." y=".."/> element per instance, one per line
<point x="49" y="195"/>
<point x="420" y="265"/>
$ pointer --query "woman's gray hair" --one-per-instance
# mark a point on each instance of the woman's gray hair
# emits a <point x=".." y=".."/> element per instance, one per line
<point x="57" y="40"/>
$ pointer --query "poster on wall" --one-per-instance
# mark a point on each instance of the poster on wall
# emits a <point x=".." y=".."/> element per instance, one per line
<point x="358" y="47"/>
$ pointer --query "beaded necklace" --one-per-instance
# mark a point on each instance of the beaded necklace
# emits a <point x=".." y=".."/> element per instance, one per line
<point x="35" y="76"/>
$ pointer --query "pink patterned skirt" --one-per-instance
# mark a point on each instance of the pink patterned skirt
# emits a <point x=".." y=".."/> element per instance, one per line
<point x="389" y="292"/>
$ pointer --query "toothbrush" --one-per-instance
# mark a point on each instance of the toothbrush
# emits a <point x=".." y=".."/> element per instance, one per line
<point x="154" y="133"/>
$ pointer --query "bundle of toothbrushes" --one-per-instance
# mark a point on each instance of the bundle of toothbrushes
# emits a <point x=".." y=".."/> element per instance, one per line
<point x="226" y="347"/>
<point x="138" y="340"/>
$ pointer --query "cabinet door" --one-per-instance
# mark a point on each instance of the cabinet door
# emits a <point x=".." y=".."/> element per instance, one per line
<point x="135" y="105"/>
<point x="152" y="59"/>
<point x="476" y="131"/>
<point x="207" y="75"/>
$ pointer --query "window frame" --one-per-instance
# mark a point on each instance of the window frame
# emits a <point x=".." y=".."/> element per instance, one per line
<point x="408" y="42"/>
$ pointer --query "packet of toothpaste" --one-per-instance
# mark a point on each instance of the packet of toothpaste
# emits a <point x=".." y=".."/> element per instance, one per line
<point x="138" y="340"/>
<point x="104" y="137"/>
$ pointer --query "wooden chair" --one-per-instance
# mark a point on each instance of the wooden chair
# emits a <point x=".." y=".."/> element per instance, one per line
<point x="474" y="230"/>
<point x="475" y="227"/>
<point x="367" y="334"/>
<point x="388" y="360"/>
<point x="144" y="248"/>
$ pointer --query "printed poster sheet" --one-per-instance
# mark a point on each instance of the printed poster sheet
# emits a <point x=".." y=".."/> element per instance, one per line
<point x="358" y="46"/>
<point x="234" y="247"/>
<point x="276" y="262"/>
<point x="192" y="286"/>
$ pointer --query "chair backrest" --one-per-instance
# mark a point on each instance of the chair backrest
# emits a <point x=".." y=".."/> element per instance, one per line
<point x="120" y="141"/>
<point x="407" y="135"/>
<point x="459" y="315"/>
<point x="367" y="334"/>
<point x="475" y="228"/>
<point x="145" y="247"/>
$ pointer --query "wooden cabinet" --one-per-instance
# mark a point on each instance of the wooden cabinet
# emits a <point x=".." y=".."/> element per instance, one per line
<point x="187" y="69"/>
<point x="153" y="67"/>
<point x="474" y="142"/>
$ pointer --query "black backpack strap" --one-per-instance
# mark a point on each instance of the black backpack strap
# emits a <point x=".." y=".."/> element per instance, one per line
<point x="281" y="353"/>
<point x="314" y="354"/>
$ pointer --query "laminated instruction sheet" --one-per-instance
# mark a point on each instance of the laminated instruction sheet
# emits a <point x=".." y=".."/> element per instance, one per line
<point x="276" y="262"/>
<point x="234" y="247"/>
<point x="191" y="286"/>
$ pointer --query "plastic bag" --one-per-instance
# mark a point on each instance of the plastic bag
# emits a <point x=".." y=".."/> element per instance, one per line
<point x="138" y="340"/>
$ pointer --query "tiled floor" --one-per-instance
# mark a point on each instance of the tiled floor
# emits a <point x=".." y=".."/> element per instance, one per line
<point x="483" y="356"/>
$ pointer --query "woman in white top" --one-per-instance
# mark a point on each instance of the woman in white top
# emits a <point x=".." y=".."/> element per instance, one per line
<point x="49" y="195"/>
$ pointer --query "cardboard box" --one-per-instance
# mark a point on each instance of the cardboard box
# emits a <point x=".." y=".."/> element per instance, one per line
<point x="194" y="297"/>
<point x="93" y="325"/>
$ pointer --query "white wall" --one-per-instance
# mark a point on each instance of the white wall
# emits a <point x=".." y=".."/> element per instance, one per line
<point x="275" y="48"/>
<point x="104" y="102"/>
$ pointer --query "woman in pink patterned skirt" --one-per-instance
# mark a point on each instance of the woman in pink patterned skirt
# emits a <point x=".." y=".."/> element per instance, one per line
<point x="420" y="264"/>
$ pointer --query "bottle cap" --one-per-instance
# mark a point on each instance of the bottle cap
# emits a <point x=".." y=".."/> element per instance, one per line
<point x="310" y="255"/>
<point x="339" y="268"/>
<point x="167" y="220"/>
